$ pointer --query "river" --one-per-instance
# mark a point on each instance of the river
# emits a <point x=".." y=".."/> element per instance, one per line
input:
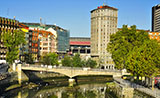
<point x="60" y="89"/>
<point x="79" y="91"/>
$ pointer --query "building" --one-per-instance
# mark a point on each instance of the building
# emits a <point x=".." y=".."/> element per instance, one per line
<point x="103" y="24"/>
<point x="156" y="18"/>
<point x="32" y="43"/>
<point x="47" y="42"/>
<point x="80" y="45"/>
<point x="6" y="25"/>
<point x="62" y="41"/>
<point x="61" y="35"/>
<point x="39" y="41"/>
<point x="154" y="35"/>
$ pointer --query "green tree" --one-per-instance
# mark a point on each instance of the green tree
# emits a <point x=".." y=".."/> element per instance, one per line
<point x="28" y="58"/>
<point x="91" y="63"/>
<point x="77" y="62"/>
<point x="12" y="40"/>
<point x="67" y="61"/>
<point x="50" y="59"/>
<point x="145" y="60"/>
<point x="133" y="50"/>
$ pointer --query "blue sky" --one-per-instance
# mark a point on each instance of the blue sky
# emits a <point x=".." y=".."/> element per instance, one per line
<point x="74" y="15"/>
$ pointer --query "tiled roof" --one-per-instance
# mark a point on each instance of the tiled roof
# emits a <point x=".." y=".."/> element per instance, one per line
<point x="79" y="43"/>
<point x="104" y="7"/>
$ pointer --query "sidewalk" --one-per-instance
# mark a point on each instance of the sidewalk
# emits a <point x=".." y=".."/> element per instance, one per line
<point x="155" y="93"/>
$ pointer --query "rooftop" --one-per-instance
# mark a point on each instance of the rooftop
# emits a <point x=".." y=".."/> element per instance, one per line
<point x="46" y="26"/>
<point x="80" y="39"/>
<point x="104" y="7"/>
<point x="80" y="43"/>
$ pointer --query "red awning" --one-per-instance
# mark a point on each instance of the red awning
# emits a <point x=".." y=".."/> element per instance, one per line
<point x="79" y="43"/>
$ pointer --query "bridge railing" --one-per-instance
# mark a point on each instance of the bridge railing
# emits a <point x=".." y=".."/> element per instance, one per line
<point x="73" y="68"/>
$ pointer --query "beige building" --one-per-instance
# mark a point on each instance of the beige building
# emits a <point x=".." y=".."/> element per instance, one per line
<point x="156" y="18"/>
<point x="103" y="24"/>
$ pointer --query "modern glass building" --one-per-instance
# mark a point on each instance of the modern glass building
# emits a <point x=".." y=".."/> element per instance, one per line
<point x="62" y="41"/>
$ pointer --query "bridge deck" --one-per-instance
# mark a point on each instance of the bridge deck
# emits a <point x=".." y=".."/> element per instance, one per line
<point x="72" y="72"/>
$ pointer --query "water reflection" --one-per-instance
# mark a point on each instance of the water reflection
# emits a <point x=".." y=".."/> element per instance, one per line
<point x="80" y="91"/>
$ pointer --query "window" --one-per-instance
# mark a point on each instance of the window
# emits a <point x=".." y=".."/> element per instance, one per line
<point x="45" y="44"/>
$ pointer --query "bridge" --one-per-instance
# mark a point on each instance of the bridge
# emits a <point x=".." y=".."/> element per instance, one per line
<point x="68" y="71"/>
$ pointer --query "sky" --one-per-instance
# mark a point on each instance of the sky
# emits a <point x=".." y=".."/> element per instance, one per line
<point x="74" y="15"/>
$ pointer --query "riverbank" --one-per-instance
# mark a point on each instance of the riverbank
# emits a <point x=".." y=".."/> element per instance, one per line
<point x="152" y="93"/>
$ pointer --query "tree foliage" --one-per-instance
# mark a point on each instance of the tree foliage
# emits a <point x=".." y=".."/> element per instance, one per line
<point x="134" y="51"/>
<point x="91" y="63"/>
<point x="50" y="59"/>
<point x="12" y="40"/>
<point x="76" y="61"/>
<point x="67" y="61"/>
<point x="28" y="58"/>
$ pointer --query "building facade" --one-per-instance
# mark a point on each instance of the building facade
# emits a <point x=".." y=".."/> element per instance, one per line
<point x="47" y="42"/>
<point x="39" y="41"/>
<point x="80" y="45"/>
<point x="6" y="25"/>
<point x="61" y="36"/>
<point x="154" y="35"/>
<point x="103" y="24"/>
<point x="156" y="18"/>
<point x="62" y="41"/>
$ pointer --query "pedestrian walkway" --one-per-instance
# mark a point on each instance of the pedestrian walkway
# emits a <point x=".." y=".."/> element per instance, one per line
<point x="155" y="93"/>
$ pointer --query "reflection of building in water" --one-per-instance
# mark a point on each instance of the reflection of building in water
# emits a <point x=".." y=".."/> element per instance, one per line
<point x="96" y="90"/>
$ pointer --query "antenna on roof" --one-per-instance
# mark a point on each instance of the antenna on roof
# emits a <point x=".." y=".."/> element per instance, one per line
<point x="40" y="20"/>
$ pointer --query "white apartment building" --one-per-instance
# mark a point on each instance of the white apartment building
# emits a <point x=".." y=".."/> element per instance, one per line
<point x="103" y="24"/>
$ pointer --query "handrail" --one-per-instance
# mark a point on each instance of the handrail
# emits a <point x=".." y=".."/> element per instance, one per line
<point x="73" y="68"/>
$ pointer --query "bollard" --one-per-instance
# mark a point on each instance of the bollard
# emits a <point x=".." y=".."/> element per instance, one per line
<point x="19" y="70"/>
<point x="14" y="67"/>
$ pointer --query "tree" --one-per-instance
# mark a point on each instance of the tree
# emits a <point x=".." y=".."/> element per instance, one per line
<point x="144" y="61"/>
<point x="133" y="50"/>
<point x="91" y="63"/>
<point x="77" y="62"/>
<point x="50" y="59"/>
<point x="67" y="61"/>
<point x="12" y="40"/>
<point x="28" y="58"/>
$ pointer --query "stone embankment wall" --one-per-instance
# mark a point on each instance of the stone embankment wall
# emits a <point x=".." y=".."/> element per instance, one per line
<point x="124" y="89"/>
<point x="12" y="79"/>
<point x="8" y="81"/>
<point x="120" y="91"/>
